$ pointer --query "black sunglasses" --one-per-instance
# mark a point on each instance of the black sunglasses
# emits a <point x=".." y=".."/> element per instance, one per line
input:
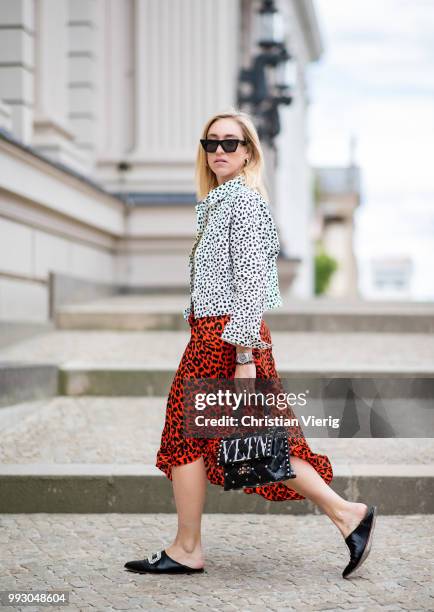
<point x="229" y="145"/>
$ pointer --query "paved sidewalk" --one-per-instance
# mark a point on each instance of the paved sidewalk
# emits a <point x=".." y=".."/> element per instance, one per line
<point x="128" y="430"/>
<point x="277" y="563"/>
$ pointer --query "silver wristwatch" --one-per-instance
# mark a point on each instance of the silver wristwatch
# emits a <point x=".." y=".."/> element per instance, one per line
<point x="244" y="358"/>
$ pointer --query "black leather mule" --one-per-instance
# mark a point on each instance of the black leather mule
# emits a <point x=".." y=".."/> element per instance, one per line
<point x="160" y="563"/>
<point x="359" y="541"/>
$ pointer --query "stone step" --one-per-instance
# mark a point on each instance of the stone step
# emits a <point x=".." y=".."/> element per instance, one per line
<point x="76" y="379"/>
<point x="304" y="351"/>
<point x="142" y="488"/>
<point x="21" y="382"/>
<point x="76" y="430"/>
<point x="137" y="313"/>
<point x="92" y="454"/>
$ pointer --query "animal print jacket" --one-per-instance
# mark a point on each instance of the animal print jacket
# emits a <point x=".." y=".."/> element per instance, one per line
<point x="233" y="261"/>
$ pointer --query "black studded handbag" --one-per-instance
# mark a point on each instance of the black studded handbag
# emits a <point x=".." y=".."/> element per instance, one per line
<point x="256" y="459"/>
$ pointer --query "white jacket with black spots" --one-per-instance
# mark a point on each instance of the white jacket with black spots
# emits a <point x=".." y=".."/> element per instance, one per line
<point x="233" y="261"/>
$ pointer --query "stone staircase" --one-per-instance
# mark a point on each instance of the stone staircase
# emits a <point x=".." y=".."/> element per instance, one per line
<point x="91" y="448"/>
<point x="158" y="312"/>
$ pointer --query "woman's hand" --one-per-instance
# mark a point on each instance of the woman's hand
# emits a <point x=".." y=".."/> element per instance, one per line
<point x="247" y="371"/>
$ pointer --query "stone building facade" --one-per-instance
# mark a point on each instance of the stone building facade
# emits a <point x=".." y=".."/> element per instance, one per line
<point x="101" y="107"/>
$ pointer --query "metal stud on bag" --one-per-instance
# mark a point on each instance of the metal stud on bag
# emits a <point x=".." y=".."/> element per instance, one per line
<point x="264" y="470"/>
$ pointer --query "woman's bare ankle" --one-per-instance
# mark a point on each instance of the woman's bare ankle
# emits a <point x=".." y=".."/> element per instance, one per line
<point x="188" y="553"/>
<point x="347" y="518"/>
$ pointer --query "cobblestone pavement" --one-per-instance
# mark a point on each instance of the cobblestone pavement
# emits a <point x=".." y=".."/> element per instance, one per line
<point x="165" y="348"/>
<point x="294" y="564"/>
<point x="76" y="430"/>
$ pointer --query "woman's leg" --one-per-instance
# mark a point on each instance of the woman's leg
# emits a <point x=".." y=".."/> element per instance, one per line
<point x="189" y="489"/>
<point x="344" y="514"/>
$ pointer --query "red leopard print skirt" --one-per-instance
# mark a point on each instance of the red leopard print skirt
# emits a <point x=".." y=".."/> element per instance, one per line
<point x="207" y="356"/>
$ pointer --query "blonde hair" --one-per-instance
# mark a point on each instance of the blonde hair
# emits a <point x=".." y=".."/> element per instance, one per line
<point x="252" y="171"/>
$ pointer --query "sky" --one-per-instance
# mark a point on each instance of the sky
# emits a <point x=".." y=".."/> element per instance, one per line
<point x="375" y="83"/>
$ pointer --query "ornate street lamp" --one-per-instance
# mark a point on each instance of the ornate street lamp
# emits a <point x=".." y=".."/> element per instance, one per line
<point x="270" y="81"/>
<point x="270" y="25"/>
<point x="285" y="78"/>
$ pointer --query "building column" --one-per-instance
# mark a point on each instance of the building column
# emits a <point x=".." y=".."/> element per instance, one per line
<point x="186" y="64"/>
<point x="17" y="65"/>
<point x="294" y="194"/>
<point x="116" y="127"/>
<point x="84" y="30"/>
<point x="52" y="135"/>
<point x="5" y="117"/>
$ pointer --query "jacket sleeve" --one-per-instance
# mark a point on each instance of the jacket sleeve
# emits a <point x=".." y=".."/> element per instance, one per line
<point x="249" y="263"/>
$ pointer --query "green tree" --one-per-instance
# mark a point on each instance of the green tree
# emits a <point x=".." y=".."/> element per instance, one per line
<point x="325" y="267"/>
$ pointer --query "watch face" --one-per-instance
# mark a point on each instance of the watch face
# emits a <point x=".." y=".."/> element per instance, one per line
<point x="243" y="357"/>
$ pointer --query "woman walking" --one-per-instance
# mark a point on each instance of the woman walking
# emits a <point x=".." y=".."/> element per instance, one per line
<point x="233" y="280"/>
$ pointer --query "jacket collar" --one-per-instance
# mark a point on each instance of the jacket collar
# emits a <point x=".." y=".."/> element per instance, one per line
<point x="224" y="190"/>
<point x="214" y="196"/>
